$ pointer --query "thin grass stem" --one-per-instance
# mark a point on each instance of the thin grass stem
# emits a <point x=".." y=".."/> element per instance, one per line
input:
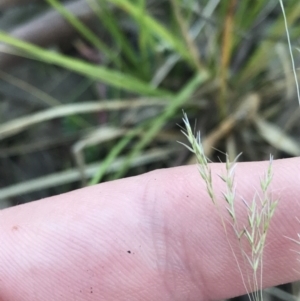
<point x="290" y="49"/>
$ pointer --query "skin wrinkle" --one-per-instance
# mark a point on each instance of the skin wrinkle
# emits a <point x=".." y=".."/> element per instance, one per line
<point x="176" y="207"/>
<point x="105" y="219"/>
<point x="195" y="277"/>
<point x="173" y="264"/>
<point x="157" y="224"/>
<point x="144" y="243"/>
<point x="157" y="209"/>
<point x="158" y="230"/>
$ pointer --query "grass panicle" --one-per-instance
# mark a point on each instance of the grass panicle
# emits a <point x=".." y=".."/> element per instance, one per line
<point x="251" y="234"/>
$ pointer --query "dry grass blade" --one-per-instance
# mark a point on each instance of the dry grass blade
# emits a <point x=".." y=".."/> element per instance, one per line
<point x="191" y="46"/>
<point x="246" y="111"/>
<point x="73" y="175"/>
<point x="277" y="137"/>
<point x="20" y="124"/>
<point x="97" y="136"/>
<point x="226" y="55"/>
<point x="38" y="30"/>
<point x="44" y="97"/>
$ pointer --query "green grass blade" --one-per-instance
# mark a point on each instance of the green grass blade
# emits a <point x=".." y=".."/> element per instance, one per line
<point x="112" y="155"/>
<point x="155" y="126"/>
<point x="159" y="122"/>
<point x="108" y="19"/>
<point x="262" y="56"/>
<point x="110" y="77"/>
<point x="85" y="31"/>
<point x="154" y="27"/>
<point x="144" y="37"/>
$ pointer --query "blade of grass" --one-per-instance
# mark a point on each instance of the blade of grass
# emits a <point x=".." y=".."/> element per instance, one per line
<point x="144" y="37"/>
<point x="160" y="121"/>
<point x="226" y="56"/>
<point x="85" y="31"/>
<point x="275" y="136"/>
<point x="290" y="49"/>
<point x="154" y="27"/>
<point x="173" y="59"/>
<point x="102" y="168"/>
<point x="258" y="61"/>
<point x="36" y="92"/>
<point x="154" y="128"/>
<point x="108" y="19"/>
<point x="250" y="13"/>
<point x="111" y="77"/>
<point x="20" y="124"/>
<point x="44" y="97"/>
<point x="190" y="45"/>
<point x="72" y="175"/>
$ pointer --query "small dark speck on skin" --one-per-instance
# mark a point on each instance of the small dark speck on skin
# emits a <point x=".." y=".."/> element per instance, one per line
<point x="129" y="252"/>
<point x="15" y="228"/>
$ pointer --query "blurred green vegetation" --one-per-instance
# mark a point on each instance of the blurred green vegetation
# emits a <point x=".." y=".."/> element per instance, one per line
<point x="113" y="82"/>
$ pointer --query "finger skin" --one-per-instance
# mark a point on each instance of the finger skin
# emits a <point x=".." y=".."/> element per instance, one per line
<point x="151" y="237"/>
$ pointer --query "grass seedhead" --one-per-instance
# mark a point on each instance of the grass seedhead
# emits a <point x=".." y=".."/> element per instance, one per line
<point x="260" y="211"/>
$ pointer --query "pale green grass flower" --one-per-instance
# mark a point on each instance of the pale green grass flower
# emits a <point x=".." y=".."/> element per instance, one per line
<point x="259" y="210"/>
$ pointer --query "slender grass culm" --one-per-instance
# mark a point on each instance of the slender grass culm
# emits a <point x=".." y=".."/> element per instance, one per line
<point x="297" y="241"/>
<point x="260" y="210"/>
<point x="290" y="50"/>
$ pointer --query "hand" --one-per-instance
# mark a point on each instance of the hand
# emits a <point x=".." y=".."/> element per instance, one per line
<point x="152" y="237"/>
